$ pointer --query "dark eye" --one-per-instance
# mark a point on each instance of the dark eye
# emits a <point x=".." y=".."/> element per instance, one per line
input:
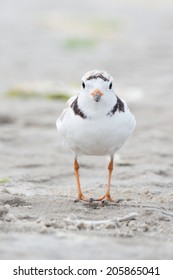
<point x="110" y="86"/>
<point x="83" y="84"/>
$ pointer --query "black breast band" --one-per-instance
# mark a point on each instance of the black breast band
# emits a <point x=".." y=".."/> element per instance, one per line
<point x="119" y="106"/>
<point x="76" y="109"/>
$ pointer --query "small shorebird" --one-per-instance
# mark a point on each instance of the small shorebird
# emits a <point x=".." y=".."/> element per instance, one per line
<point x="96" y="122"/>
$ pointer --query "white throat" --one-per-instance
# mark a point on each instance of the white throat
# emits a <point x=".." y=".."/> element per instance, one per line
<point x="94" y="109"/>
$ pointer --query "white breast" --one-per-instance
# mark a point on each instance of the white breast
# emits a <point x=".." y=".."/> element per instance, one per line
<point x="101" y="136"/>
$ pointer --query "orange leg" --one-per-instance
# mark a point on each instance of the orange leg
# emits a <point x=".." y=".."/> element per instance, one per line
<point x="107" y="195"/>
<point x="80" y="195"/>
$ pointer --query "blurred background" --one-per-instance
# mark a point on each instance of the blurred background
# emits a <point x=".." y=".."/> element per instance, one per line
<point x="52" y="41"/>
<point x="46" y="46"/>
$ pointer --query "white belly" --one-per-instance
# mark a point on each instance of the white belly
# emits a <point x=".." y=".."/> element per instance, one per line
<point x="103" y="136"/>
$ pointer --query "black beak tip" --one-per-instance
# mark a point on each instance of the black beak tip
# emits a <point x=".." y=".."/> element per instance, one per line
<point x="97" y="98"/>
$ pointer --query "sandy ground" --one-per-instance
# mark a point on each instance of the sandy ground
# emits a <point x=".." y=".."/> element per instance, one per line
<point x="38" y="216"/>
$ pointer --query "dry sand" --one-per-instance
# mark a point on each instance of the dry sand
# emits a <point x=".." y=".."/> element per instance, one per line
<point x="38" y="216"/>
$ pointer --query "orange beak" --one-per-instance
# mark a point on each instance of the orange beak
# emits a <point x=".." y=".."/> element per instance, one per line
<point x="97" y="94"/>
<point x="97" y="91"/>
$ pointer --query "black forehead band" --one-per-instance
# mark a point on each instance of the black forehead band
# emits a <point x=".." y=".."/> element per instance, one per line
<point x="98" y="76"/>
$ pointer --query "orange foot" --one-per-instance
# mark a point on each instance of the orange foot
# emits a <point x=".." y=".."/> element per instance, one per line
<point x="106" y="198"/>
<point x="81" y="197"/>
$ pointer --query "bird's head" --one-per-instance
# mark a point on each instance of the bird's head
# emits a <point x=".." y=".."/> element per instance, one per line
<point x="97" y="85"/>
<point x="97" y="91"/>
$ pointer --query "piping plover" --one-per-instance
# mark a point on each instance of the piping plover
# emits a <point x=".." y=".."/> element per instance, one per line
<point x="96" y="122"/>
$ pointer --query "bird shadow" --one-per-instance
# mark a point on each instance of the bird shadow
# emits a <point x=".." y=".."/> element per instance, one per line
<point x="98" y="204"/>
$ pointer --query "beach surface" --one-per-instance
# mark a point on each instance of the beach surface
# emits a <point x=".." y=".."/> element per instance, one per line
<point x="38" y="216"/>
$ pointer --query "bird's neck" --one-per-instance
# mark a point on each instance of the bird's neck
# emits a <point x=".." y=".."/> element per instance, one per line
<point x="93" y="109"/>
